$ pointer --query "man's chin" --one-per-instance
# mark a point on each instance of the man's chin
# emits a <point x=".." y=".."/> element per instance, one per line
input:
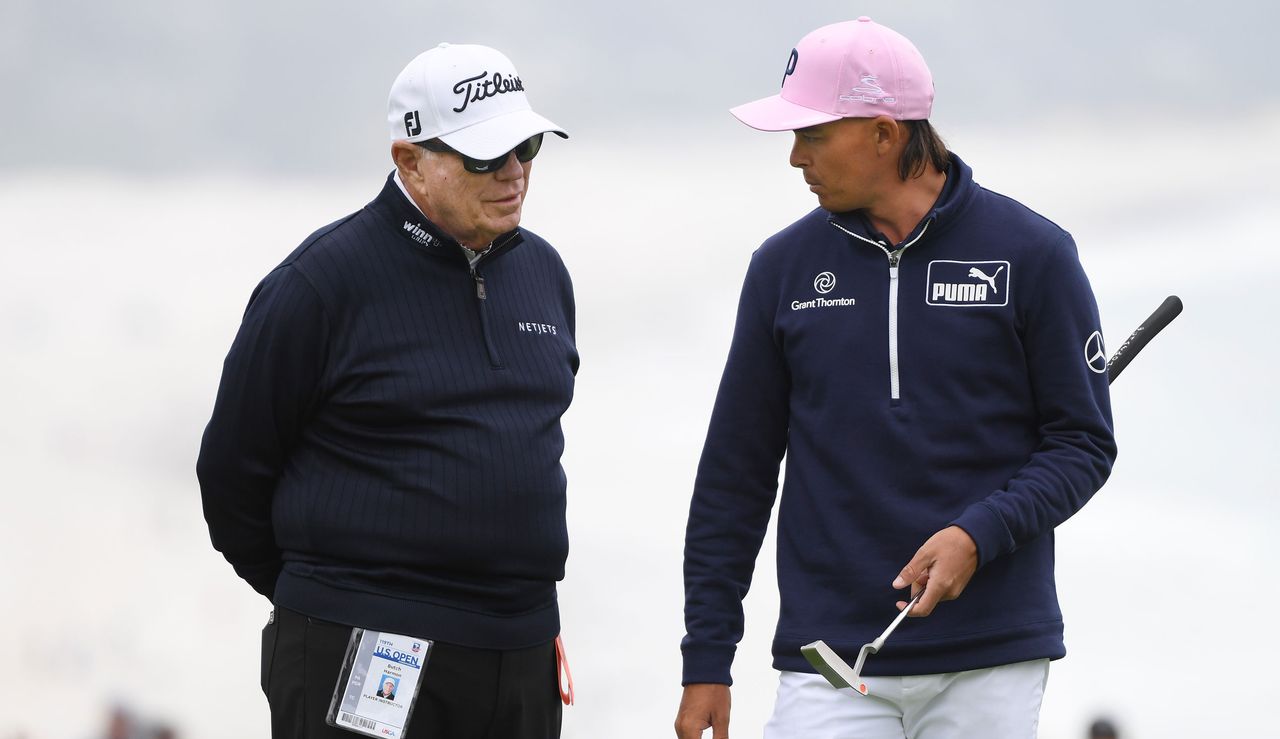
<point x="832" y="205"/>
<point x="506" y="221"/>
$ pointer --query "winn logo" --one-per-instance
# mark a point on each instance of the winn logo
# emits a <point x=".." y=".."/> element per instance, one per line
<point x="869" y="92"/>
<point x="962" y="284"/>
<point x="419" y="233"/>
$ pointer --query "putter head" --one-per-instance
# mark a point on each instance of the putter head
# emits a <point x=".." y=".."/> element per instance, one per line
<point x="835" y="670"/>
<point x="838" y="672"/>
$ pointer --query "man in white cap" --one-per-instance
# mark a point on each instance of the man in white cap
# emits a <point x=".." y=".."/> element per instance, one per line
<point x="384" y="451"/>
<point x="927" y="355"/>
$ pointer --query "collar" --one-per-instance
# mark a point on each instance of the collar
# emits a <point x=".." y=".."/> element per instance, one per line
<point x="956" y="194"/>
<point x="395" y="176"/>
<point x="407" y="219"/>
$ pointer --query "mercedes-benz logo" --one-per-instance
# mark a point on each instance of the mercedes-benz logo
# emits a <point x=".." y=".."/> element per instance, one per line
<point x="824" y="283"/>
<point x="1094" y="355"/>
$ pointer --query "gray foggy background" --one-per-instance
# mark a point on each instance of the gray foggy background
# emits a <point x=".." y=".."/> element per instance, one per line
<point x="156" y="159"/>
<point x="159" y="86"/>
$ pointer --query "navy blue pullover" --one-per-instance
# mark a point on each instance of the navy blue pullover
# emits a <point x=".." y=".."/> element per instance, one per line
<point x="950" y="379"/>
<point x="385" y="446"/>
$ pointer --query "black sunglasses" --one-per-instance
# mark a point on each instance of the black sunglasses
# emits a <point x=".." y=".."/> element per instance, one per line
<point x="525" y="151"/>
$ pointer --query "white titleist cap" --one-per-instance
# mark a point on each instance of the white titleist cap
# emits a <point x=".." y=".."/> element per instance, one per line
<point x="468" y="96"/>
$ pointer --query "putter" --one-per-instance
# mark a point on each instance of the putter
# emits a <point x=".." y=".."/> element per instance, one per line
<point x="837" y="671"/>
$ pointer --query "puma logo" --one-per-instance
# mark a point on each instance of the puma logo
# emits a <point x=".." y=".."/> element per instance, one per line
<point x="959" y="284"/>
<point x="979" y="274"/>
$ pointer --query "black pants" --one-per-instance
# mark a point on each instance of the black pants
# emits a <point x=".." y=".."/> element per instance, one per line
<point x="465" y="693"/>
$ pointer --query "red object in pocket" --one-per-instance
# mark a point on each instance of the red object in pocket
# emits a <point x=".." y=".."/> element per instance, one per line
<point x="564" y="678"/>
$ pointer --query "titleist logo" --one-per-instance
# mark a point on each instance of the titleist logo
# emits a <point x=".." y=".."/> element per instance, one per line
<point x="481" y="87"/>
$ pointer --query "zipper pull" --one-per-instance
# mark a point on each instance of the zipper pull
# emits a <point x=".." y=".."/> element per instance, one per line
<point x="480" y="291"/>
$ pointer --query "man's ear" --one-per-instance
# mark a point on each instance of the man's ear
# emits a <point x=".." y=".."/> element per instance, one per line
<point x="888" y="134"/>
<point x="406" y="155"/>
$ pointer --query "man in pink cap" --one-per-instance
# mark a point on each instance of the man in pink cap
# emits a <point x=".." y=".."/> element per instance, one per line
<point x="384" y="451"/>
<point x="925" y="353"/>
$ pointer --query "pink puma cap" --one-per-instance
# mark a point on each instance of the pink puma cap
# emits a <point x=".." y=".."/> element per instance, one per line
<point x="855" y="69"/>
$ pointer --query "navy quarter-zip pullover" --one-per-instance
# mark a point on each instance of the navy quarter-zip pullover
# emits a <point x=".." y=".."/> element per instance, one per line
<point x="385" y="446"/>
<point x="955" y="378"/>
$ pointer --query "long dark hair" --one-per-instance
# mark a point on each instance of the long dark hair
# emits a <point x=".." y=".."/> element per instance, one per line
<point x="924" y="146"/>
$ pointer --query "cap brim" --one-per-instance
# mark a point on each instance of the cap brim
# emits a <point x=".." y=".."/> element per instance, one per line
<point x="496" y="136"/>
<point x="775" y="114"/>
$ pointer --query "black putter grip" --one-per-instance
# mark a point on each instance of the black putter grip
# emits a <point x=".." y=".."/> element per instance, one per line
<point x="1145" y="332"/>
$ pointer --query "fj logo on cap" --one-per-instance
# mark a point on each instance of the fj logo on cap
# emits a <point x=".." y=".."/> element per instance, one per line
<point x="412" y="125"/>
<point x="962" y="284"/>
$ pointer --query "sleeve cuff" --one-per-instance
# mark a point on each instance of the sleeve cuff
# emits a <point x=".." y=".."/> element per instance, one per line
<point x="987" y="530"/>
<point x="707" y="664"/>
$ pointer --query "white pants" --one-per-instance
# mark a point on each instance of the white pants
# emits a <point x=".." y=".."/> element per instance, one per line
<point x="994" y="703"/>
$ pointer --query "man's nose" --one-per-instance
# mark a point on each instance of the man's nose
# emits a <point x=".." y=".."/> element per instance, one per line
<point x="511" y="169"/>
<point x="798" y="157"/>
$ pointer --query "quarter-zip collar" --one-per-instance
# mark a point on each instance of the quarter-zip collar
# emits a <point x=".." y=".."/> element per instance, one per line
<point x="406" y="219"/>
<point x="957" y="193"/>
<point x="955" y="196"/>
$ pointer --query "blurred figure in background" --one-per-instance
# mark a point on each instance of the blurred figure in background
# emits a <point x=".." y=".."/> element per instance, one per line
<point x="1103" y="729"/>
<point x="120" y="724"/>
<point x="124" y="724"/>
